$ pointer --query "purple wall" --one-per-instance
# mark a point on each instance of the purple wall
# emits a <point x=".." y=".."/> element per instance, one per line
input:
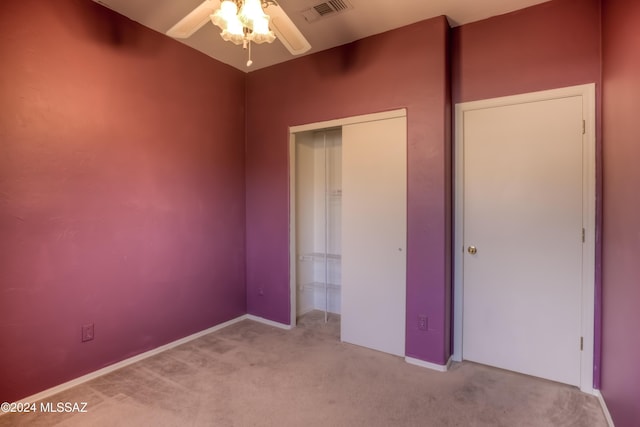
<point x="547" y="46"/>
<point x="121" y="191"/>
<point x="621" y="269"/>
<point x="404" y="68"/>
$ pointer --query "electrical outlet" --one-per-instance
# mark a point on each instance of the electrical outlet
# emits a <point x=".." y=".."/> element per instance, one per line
<point x="261" y="292"/>
<point x="423" y="322"/>
<point x="87" y="332"/>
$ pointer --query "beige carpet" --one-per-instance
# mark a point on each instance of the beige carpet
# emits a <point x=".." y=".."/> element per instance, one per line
<point x="250" y="374"/>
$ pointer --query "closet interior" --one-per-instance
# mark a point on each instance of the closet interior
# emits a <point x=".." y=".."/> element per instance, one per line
<point x="318" y="207"/>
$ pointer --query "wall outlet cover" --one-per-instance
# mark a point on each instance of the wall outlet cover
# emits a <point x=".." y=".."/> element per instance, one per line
<point x="87" y="332"/>
<point x="423" y="322"/>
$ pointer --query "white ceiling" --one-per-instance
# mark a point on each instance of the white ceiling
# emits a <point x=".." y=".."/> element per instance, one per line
<point x="368" y="17"/>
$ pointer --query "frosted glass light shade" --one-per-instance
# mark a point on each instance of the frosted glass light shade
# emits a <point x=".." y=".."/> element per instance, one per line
<point x="227" y="13"/>
<point x="234" y="31"/>
<point x="261" y="25"/>
<point x="250" y="12"/>
<point x="261" y="32"/>
<point x="232" y="37"/>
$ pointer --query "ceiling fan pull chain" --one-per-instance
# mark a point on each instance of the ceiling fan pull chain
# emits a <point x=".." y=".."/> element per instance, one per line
<point x="249" y="62"/>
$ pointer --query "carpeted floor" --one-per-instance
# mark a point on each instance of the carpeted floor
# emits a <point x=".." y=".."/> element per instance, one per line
<point x="250" y="374"/>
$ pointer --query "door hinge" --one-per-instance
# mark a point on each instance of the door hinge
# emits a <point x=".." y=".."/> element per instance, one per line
<point x="584" y="127"/>
<point x="581" y="343"/>
<point x="583" y="235"/>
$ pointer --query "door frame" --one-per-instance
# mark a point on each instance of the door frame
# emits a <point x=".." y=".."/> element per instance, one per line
<point x="587" y="92"/>
<point x="293" y="130"/>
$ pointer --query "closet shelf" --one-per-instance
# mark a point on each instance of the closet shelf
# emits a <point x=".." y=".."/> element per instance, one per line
<point x="320" y="285"/>
<point x="319" y="256"/>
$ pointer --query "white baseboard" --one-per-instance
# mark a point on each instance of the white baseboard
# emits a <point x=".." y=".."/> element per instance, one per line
<point x="100" y="372"/>
<point x="429" y="365"/>
<point x="268" y="322"/>
<point x="603" y="404"/>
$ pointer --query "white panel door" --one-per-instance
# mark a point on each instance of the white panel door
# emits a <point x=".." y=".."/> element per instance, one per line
<point x="523" y="212"/>
<point x="374" y="229"/>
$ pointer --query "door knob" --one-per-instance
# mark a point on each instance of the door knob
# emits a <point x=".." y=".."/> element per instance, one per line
<point x="472" y="250"/>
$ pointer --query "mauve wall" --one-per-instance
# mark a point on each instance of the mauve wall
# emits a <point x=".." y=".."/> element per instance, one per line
<point x="121" y="191"/>
<point x="547" y="46"/>
<point x="404" y="68"/>
<point x="621" y="269"/>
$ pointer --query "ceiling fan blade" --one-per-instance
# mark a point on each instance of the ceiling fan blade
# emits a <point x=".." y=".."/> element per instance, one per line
<point x="287" y="31"/>
<point x="194" y="20"/>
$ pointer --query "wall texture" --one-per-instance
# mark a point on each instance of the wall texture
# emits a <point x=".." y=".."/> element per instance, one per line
<point x="404" y="68"/>
<point x="621" y="270"/>
<point x="121" y="191"/>
<point x="551" y="45"/>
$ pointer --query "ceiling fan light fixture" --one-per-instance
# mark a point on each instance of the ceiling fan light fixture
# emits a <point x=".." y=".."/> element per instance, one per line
<point x="259" y="27"/>
<point x="248" y="25"/>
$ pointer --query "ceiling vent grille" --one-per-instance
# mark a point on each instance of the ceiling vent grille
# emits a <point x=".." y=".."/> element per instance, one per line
<point x="323" y="9"/>
<point x="339" y="5"/>
<point x="328" y="8"/>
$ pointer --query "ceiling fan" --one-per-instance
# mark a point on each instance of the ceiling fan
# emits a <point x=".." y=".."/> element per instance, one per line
<point x="243" y="22"/>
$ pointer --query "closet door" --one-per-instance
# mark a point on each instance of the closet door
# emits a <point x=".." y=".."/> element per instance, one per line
<point x="374" y="234"/>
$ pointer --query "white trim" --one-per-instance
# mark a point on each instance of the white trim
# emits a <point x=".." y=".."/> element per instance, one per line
<point x="429" y="365"/>
<point x="589" y="208"/>
<point x="603" y="404"/>
<point x="268" y="322"/>
<point x="123" y="363"/>
<point x="349" y="120"/>
<point x="589" y="252"/>
<point x="293" y="293"/>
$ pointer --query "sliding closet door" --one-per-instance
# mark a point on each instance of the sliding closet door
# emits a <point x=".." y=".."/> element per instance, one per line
<point x="374" y="234"/>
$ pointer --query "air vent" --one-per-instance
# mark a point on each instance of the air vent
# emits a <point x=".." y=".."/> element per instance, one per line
<point x="323" y="9"/>
<point x="339" y="5"/>
<point x="328" y="8"/>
